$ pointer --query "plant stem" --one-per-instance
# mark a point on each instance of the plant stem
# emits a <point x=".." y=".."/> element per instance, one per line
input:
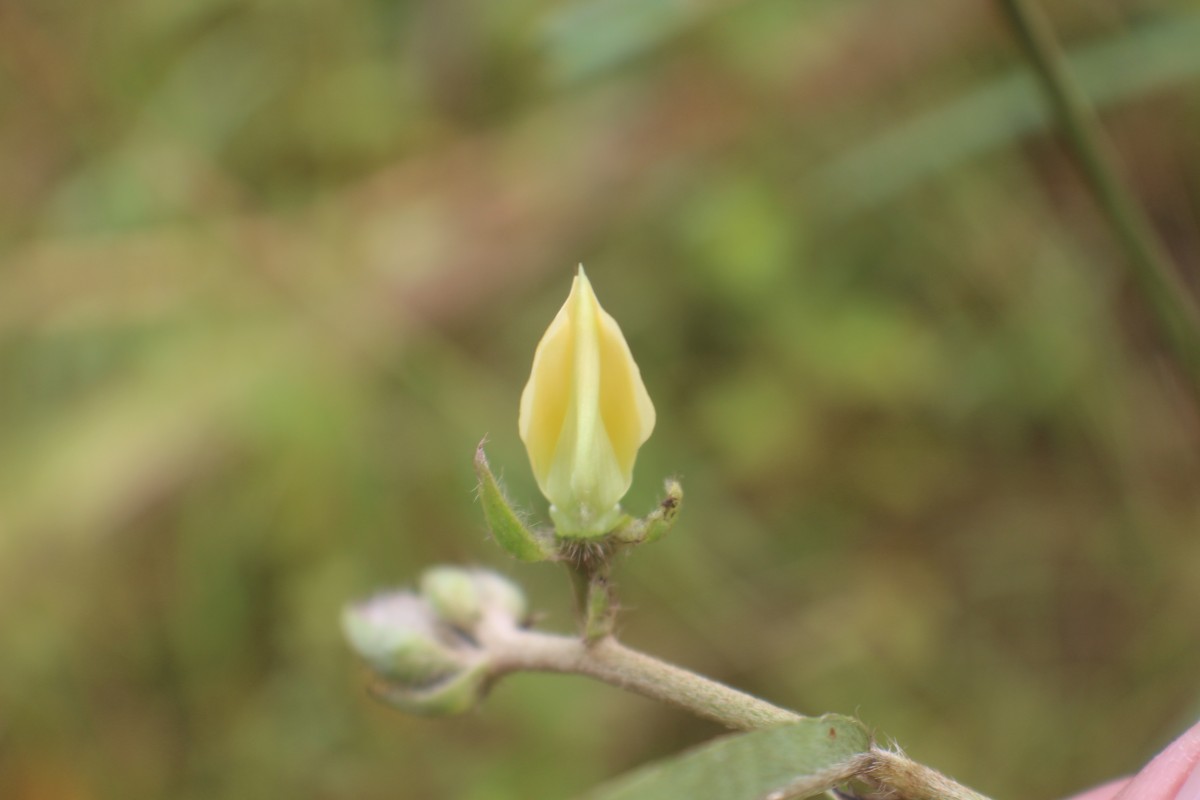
<point x="1153" y="272"/>
<point x="512" y="649"/>
<point x="610" y="661"/>
<point x="595" y="604"/>
<point x="908" y="779"/>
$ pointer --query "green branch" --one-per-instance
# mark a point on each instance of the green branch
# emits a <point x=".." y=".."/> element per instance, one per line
<point x="1152" y="270"/>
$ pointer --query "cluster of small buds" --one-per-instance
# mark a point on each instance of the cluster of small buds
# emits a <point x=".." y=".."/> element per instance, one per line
<point x="423" y="646"/>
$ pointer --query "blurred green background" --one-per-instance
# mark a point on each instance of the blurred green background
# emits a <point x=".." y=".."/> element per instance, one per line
<point x="269" y="269"/>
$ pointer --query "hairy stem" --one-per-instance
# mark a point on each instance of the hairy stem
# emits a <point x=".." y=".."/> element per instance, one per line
<point x="610" y="661"/>
<point x="1153" y="272"/>
<point x="905" y="778"/>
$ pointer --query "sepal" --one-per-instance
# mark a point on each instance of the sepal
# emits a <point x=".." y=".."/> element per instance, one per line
<point x="454" y="695"/>
<point x="655" y="524"/>
<point x="517" y="539"/>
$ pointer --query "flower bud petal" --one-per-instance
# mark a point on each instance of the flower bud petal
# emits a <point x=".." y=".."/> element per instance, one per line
<point x="584" y="414"/>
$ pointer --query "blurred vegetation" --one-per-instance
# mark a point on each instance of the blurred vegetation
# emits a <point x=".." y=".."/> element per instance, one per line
<point x="269" y="270"/>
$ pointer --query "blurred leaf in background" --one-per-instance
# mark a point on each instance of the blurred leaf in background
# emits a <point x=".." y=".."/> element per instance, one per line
<point x="268" y="271"/>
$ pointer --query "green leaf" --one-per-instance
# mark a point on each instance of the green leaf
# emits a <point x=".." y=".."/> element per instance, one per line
<point x="798" y="760"/>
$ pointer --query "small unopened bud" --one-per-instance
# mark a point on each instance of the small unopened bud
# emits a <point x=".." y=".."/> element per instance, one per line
<point x="461" y="597"/>
<point x="398" y="635"/>
<point x="500" y="595"/>
<point x="454" y="595"/>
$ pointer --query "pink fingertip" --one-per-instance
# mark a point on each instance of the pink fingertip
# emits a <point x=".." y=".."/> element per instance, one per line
<point x="1174" y="774"/>
<point x="1191" y="787"/>
<point x="1106" y="791"/>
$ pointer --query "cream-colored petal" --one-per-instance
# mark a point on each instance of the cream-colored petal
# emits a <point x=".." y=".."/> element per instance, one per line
<point x="585" y="382"/>
<point x="545" y="400"/>
<point x="625" y="405"/>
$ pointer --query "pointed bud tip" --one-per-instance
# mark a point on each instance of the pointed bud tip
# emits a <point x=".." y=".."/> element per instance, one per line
<point x="674" y="497"/>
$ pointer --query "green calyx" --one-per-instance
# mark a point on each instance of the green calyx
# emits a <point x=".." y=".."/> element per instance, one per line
<point x="587" y="557"/>
<point x="528" y="544"/>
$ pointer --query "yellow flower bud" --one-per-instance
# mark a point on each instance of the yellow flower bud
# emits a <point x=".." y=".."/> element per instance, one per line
<point x="584" y="414"/>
